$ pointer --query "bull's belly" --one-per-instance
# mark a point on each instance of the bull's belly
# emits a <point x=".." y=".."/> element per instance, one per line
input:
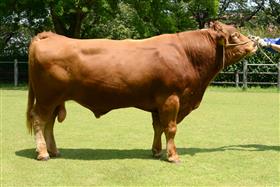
<point x="102" y="103"/>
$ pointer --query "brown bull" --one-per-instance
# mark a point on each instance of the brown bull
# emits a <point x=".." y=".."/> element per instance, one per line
<point x="165" y="75"/>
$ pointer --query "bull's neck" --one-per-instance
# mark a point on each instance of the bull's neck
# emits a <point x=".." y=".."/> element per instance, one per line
<point x="203" y="53"/>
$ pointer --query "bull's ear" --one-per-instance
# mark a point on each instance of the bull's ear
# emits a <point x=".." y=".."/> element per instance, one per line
<point x="235" y="35"/>
<point x="220" y="34"/>
<point x="216" y="25"/>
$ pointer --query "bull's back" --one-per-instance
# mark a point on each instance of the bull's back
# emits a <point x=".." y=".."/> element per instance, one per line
<point x="105" y="73"/>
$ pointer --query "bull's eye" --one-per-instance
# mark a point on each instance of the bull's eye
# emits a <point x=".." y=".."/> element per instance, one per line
<point x="235" y="35"/>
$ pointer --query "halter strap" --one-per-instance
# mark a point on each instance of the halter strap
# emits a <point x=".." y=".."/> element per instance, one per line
<point x="242" y="43"/>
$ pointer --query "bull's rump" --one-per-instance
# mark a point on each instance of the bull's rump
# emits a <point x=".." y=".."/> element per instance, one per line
<point x="106" y="74"/>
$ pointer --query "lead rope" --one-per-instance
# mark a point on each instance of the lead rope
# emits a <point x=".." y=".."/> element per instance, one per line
<point x="266" y="54"/>
<point x="263" y="52"/>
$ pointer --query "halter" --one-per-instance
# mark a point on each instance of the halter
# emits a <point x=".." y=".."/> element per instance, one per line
<point x="233" y="45"/>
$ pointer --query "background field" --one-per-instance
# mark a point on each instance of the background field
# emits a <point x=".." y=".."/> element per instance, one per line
<point x="232" y="139"/>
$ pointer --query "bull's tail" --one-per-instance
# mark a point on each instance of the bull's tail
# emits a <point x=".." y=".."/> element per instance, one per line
<point x="31" y="96"/>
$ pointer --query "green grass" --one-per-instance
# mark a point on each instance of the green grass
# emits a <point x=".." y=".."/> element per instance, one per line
<point x="232" y="139"/>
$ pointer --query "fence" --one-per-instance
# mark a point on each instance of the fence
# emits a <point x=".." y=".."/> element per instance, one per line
<point x="13" y="72"/>
<point x="245" y="74"/>
<point x="16" y="71"/>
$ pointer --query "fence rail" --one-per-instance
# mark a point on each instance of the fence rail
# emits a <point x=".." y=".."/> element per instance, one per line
<point x="15" y="72"/>
<point x="245" y="73"/>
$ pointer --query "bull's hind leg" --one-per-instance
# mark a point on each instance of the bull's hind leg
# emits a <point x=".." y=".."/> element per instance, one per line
<point x="168" y="116"/>
<point x="49" y="137"/>
<point x="60" y="113"/>
<point x="158" y="130"/>
<point x="39" y="121"/>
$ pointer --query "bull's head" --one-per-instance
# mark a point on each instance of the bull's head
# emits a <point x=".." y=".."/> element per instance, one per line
<point x="236" y="46"/>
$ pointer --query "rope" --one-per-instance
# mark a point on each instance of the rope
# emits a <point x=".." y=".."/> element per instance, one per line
<point x="266" y="55"/>
<point x="269" y="58"/>
<point x="256" y="40"/>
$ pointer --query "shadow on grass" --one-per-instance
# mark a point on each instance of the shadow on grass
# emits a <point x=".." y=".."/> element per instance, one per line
<point x="246" y="147"/>
<point x="109" y="154"/>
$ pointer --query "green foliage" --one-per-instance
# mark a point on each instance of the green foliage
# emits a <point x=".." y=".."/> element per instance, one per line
<point x="19" y="21"/>
<point x="138" y="19"/>
<point x="121" y="26"/>
<point x="203" y="10"/>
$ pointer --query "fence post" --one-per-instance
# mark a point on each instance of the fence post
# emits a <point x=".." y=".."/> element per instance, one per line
<point x="245" y="70"/>
<point x="15" y="72"/>
<point x="278" y="81"/>
<point x="236" y="79"/>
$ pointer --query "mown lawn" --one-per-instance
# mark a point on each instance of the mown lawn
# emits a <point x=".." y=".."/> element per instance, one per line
<point x="231" y="140"/>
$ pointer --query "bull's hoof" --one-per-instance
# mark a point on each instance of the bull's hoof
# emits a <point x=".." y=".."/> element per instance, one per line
<point x="174" y="159"/>
<point x="43" y="157"/>
<point x="55" y="154"/>
<point x="156" y="154"/>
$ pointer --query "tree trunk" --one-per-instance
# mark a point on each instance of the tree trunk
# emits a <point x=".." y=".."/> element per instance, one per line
<point x="76" y="24"/>
<point x="58" y="25"/>
<point x="74" y="20"/>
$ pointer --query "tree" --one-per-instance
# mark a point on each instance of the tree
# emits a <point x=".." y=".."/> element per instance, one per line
<point x="67" y="16"/>
<point x="203" y="10"/>
<point x="18" y="22"/>
<point x="117" y="19"/>
<point x="240" y="12"/>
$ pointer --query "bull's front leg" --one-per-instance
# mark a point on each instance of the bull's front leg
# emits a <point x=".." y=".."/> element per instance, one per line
<point x="168" y="116"/>
<point x="170" y="133"/>
<point x="158" y="130"/>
